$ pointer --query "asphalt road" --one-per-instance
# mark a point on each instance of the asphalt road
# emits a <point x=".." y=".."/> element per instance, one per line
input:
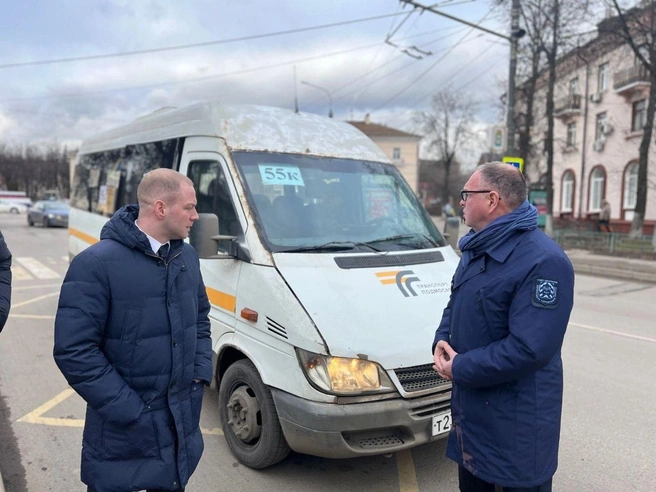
<point x="608" y="424"/>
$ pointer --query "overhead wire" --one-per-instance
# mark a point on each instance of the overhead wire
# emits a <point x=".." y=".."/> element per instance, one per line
<point x="424" y="73"/>
<point x="197" y="45"/>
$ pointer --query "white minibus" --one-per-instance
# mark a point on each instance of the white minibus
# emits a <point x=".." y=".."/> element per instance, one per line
<point x="327" y="278"/>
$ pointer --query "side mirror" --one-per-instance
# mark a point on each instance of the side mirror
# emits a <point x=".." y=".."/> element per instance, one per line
<point x="205" y="238"/>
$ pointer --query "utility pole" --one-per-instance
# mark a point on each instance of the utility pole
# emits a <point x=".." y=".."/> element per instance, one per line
<point x="514" y="39"/>
<point x="515" y="34"/>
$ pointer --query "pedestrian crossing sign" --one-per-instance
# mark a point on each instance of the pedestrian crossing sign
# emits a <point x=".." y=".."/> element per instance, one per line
<point x="518" y="162"/>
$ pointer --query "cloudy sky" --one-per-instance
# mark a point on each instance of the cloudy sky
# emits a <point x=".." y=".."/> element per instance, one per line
<point x="69" y="69"/>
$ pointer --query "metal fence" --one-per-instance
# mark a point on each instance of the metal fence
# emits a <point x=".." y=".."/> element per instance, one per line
<point x="605" y="242"/>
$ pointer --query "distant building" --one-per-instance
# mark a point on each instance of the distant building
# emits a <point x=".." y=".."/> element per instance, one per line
<point x="600" y="108"/>
<point x="402" y="148"/>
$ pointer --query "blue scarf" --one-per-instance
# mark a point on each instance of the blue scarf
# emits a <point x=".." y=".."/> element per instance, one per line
<point x="472" y="244"/>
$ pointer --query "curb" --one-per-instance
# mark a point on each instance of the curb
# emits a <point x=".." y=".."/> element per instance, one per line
<point x="610" y="272"/>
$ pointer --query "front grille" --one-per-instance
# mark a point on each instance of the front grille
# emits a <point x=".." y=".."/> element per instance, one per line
<point x="418" y="378"/>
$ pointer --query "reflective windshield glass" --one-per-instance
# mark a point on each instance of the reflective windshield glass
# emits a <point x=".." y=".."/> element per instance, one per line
<point x="319" y="203"/>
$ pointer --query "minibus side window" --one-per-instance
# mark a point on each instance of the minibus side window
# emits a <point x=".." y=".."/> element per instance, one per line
<point x="213" y="195"/>
<point x="105" y="181"/>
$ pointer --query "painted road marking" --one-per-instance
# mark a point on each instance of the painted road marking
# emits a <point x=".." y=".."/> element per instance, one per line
<point x="36" y="299"/>
<point x="36" y="415"/>
<point x="32" y="316"/>
<point x="407" y="473"/>
<point x="30" y="287"/>
<point x="19" y="273"/>
<point x="36" y="268"/>
<point x="613" y="332"/>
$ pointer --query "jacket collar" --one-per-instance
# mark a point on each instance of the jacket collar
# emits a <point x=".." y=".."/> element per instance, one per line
<point x="501" y="251"/>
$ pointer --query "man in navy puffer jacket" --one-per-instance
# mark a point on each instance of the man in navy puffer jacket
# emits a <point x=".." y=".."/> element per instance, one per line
<point x="500" y="339"/>
<point x="132" y="337"/>
<point x="5" y="281"/>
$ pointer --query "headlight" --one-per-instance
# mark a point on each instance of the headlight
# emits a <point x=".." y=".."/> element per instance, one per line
<point x="344" y="376"/>
<point x="51" y="216"/>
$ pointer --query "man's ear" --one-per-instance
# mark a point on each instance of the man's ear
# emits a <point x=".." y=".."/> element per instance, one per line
<point x="495" y="200"/>
<point x="159" y="207"/>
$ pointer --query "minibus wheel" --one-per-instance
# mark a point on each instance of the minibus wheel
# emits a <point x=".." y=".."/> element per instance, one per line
<point x="249" y="418"/>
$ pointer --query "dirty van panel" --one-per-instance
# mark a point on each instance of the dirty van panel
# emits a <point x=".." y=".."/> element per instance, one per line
<point x="305" y="201"/>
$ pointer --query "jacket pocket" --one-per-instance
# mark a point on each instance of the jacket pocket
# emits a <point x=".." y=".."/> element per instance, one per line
<point x="129" y="331"/>
<point x="197" y="391"/>
<point x="133" y="441"/>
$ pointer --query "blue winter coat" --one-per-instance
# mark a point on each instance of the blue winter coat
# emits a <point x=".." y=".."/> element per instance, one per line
<point x="131" y="335"/>
<point x="506" y="318"/>
<point x="5" y="281"/>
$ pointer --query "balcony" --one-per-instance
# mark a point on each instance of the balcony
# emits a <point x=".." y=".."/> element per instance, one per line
<point x="630" y="79"/>
<point x="567" y="106"/>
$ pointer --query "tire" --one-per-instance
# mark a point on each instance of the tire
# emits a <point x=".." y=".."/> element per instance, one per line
<point x="30" y="222"/>
<point x="46" y="222"/>
<point x="13" y="210"/>
<point x="262" y="442"/>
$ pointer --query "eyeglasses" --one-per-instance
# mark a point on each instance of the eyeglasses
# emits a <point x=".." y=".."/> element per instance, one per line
<point x="464" y="194"/>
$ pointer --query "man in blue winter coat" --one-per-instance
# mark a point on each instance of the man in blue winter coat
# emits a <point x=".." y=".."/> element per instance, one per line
<point x="500" y="339"/>
<point x="132" y="337"/>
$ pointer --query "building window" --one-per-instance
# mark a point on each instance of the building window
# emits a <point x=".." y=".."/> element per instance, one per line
<point x="600" y="126"/>
<point x="571" y="135"/>
<point x="574" y="86"/>
<point x="396" y="153"/>
<point x="597" y="180"/>
<point x="567" y="196"/>
<point x="603" y="77"/>
<point x="630" y="185"/>
<point x="639" y="115"/>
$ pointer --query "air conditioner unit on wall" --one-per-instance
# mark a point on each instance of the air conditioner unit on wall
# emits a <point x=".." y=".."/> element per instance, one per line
<point x="598" y="146"/>
<point x="595" y="97"/>
<point x="607" y="129"/>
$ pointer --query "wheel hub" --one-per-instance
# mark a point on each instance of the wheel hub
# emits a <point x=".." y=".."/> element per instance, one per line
<point x="242" y="414"/>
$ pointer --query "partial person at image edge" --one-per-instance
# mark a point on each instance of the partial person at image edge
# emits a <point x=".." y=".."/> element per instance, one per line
<point x="500" y="339"/>
<point x="5" y="281"/>
<point x="132" y="338"/>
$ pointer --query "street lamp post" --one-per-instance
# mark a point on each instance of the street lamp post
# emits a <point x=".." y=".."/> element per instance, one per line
<point x="330" y="97"/>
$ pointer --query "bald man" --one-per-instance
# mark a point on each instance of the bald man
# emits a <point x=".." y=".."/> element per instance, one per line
<point x="132" y="338"/>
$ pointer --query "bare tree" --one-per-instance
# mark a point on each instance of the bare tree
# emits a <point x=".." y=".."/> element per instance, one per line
<point x="35" y="168"/>
<point x="637" y="27"/>
<point x="448" y="125"/>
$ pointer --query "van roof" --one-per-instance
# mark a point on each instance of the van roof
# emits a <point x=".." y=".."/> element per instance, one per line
<point x="244" y="127"/>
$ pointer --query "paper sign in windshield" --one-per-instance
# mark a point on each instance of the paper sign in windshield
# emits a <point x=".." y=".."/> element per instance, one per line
<point x="274" y="174"/>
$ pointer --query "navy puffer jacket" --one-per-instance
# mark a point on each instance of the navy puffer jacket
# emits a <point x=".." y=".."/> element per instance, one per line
<point x="5" y="282"/>
<point x="131" y="335"/>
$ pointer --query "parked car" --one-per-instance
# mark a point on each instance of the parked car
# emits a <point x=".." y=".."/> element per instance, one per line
<point x="7" y="206"/>
<point x="48" y="213"/>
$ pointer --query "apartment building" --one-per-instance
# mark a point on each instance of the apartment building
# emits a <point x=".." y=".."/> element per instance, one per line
<point x="600" y="107"/>
<point x="401" y="147"/>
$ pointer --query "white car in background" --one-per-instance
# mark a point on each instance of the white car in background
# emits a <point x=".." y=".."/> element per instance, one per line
<point x="7" y="206"/>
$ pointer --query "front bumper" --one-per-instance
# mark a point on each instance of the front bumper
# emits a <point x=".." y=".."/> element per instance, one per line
<point x="358" y="429"/>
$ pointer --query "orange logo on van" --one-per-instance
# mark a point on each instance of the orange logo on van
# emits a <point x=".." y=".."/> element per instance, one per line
<point x="403" y="279"/>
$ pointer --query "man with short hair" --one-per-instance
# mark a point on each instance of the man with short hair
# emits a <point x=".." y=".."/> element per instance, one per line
<point x="500" y="339"/>
<point x="5" y="281"/>
<point x="132" y="337"/>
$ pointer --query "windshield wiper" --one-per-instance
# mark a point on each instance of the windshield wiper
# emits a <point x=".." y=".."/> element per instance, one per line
<point x="400" y="237"/>
<point x="332" y="246"/>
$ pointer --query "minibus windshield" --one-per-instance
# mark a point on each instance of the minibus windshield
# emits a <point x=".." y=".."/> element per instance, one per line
<point x="321" y="204"/>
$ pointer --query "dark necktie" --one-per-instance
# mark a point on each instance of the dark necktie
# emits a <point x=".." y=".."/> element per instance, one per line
<point x="163" y="251"/>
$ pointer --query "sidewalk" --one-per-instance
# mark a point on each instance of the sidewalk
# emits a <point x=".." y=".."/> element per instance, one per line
<point x="587" y="263"/>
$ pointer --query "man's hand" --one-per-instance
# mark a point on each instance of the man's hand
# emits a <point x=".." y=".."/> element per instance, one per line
<point x="443" y="358"/>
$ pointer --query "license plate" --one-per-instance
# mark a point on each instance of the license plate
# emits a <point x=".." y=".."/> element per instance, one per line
<point x="441" y="423"/>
